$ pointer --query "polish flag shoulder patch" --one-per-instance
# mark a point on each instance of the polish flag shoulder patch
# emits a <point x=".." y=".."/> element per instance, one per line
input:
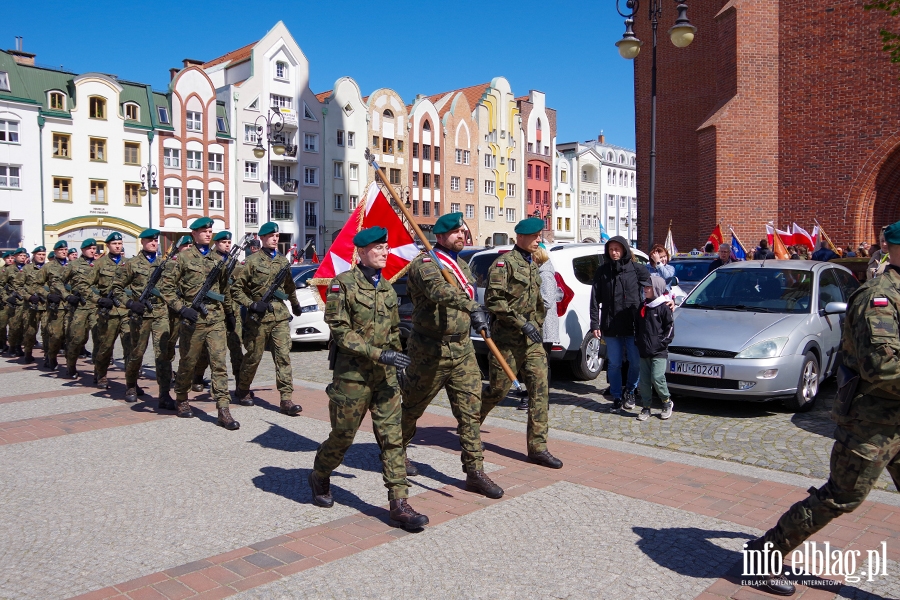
<point x="500" y="263"/>
<point x="336" y="287"/>
<point x="879" y="302"/>
<point x="426" y="259"/>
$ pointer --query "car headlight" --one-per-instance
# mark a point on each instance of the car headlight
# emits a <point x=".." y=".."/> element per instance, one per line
<point x="309" y="308"/>
<point x="764" y="349"/>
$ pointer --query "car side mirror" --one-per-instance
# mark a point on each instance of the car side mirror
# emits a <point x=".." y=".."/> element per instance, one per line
<point x="835" y="308"/>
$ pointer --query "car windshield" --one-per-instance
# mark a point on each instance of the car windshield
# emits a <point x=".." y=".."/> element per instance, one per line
<point x="691" y="270"/>
<point x="304" y="275"/>
<point x="755" y="290"/>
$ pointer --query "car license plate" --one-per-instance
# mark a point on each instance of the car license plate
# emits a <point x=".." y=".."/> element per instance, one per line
<point x="697" y="369"/>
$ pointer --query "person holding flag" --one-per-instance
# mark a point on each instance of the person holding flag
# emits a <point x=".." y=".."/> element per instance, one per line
<point x="737" y="248"/>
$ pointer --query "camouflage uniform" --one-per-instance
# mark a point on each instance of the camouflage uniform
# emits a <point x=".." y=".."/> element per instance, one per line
<point x="364" y="321"/>
<point x="116" y="323"/>
<point x="18" y="314"/>
<point x="35" y="313"/>
<point x="867" y="437"/>
<point x="129" y="284"/>
<point x="179" y="285"/>
<point x="442" y="355"/>
<point x="81" y="317"/>
<point x="272" y="328"/>
<point x="235" y="347"/>
<point x="513" y="295"/>
<point x="5" y="274"/>
<point x="55" y="275"/>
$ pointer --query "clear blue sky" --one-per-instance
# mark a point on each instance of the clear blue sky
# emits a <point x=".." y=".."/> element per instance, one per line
<point x="415" y="47"/>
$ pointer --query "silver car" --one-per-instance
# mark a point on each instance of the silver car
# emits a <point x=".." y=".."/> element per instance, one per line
<point x="760" y="330"/>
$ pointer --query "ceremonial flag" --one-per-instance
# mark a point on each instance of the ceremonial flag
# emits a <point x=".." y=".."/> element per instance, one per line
<point x="779" y="248"/>
<point x="604" y="236"/>
<point x="374" y="211"/>
<point x="801" y="236"/>
<point x="737" y="249"/>
<point x="815" y="235"/>
<point x="770" y="234"/>
<point x="787" y="238"/>
<point x="670" y="243"/>
<point x="315" y="256"/>
<point x="716" y="237"/>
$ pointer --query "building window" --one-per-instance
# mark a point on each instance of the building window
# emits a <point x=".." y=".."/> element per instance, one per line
<point x="546" y="197"/>
<point x="97" y="107"/>
<point x="470" y="211"/>
<point x="195" y="198"/>
<point x="281" y="70"/>
<point x="280" y="174"/>
<point x="415" y="149"/>
<point x="454" y="186"/>
<point x="163" y="114"/>
<point x="307" y="114"/>
<point x="98" y="192"/>
<point x="489" y="186"/>
<point x="310" y="142"/>
<point x="338" y="170"/>
<point x="510" y="215"/>
<point x="454" y="207"/>
<point x="530" y="147"/>
<point x="415" y="179"/>
<point x="10" y="177"/>
<point x="467" y="155"/>
<point x="172" y="158"/>
<point x="354" y="171"/>
<point x="251" y="170"/>
<point x="559" y="223"/>
<point x="564" y="176"/>
<point x="4" y="81"/>
<point x="338" y="202"/>
<point x="251" y="214"/>
<point x="250" y="133"/>
<point x="62" y="187"/>
<point x="437" y="153"/>
<point x="490" y="161"/>
<point x="437" y="182"/>
<point x="632" y="180"/>
<point x="568" y="224"/>
<point x="98" y="149"/>
<point x="9" y="131"/>
<point x="387" y="145"/>
<point x="530" y="192"/>
<point x="351" y="139"/>
<point x="281" y="101"/>
<point x="529" y="172"/>
<point x="132" y="153"/>
<point x="220" y="125"/>
<point x="470" y="185"/>
<point x="395" y="177"/>
<point x="512" y="165"/>
<point x="459" y="157"/>
<point x="354" y="200"/>
<point x="281" y="210"/>
<point x="310" y="176"/>
<point x="61" y="143"/>
<point x="172" y="197"/>
<point x="488" y="213"/>
<point x="546" y="174"/>
<point x="426" y="180"/>
<point x="57" y="101"/>
<point x="132" y="112"/>
<point x="415" y="207"/>
<point x="426" y="152"/>
<point x="426" y="209"/>
<point x="216" y="162"/>
<point x="132" y="195"/>
<point x="510" y="189"/>
<point x="610" y="201"/>
<point x="622" y="202"/>
<point x="216" y="199"/>
<point x="194" y="160"/>
<point x="194" y="121"/>
<point x="568" y="200"/>
<point x="340" y="137"/>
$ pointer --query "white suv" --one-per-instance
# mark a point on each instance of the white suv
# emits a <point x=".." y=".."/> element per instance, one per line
<point x="575" y="265"/>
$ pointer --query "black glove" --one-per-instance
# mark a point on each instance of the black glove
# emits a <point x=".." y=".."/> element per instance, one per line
<point x="481" y="321"/>
<point x="105" y="302"/>
<point x="136" y="307"/>
<point x="34" y="299"/>
<point x="12" y="301"/>
<point x="532" y="333"/>
<point x="54" y="298"/>
<point x="230" y="322"/>
<point x="260" y="307"/>
<point x="189" y="314"/>
<point x="296" y="309"/>
<point x="73" y="300"/>
<point x="402" y="379"/>
<point x="395" y="359"/>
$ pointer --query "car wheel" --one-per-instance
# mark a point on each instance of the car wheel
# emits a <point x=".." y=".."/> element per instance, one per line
<point x="588" y="364"/>
<point x="807" y="386"/>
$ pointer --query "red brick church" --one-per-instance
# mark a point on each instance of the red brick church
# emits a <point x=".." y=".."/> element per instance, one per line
<point x="779" y="111"/>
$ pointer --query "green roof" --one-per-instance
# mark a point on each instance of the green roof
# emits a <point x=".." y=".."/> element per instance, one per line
<point x="137" y="93"/>
<point x="161" y="99"/>
<point x="30" y="84"/>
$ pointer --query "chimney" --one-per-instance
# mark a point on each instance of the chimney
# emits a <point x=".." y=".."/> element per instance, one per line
<point x="601" y="138"/>
<point x="191" y="62"/>
<point x="20" y="56"/>
<point x="173" y="72"/>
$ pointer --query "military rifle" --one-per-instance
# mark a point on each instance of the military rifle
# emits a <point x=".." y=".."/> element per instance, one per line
<point x="273" y="291"/>
<point x="103" y="311"/>
<point x="205" y="291"/>
<point x="150" y="288"/>
<point x="13" y="295"/>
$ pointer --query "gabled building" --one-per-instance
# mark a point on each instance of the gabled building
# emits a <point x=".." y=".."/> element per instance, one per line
<point x="539" y="130"/>
<point x="426" y="138"/>
<point x="387" y="137"/>
<point x="565" y="209"/>
<point x="460" y="166"/>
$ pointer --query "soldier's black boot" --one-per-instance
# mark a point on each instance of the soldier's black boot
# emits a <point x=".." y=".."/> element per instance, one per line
<point x="289" y="408"/>
<point x="28" y="359"/>
<point x="225" y="420"/>
<point x="131" y="395"/>
<point x="545" y="459"/>
<point x="774" y="584"/>
<point x="184" y="409"/>
<point x="102" y="382"/>
<point x="71" y="373"/>
<point x="411" y="469"/>
<point x="321" y="490"/>
<point x="165" y="401"/>
<point x="480" y="483"/>
<point x="244" y="397"/>
<point x="17" y="351"/>
<point x="403" y="515"/>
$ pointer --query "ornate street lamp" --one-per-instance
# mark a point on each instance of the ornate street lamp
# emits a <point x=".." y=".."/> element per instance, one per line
<point x="148" y="174"/>
<point x="272" y="123"/>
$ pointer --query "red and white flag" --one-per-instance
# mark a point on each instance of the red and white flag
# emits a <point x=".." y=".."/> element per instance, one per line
<point x="453" y="266"/>
<point x="801" y="236"/>
<point x="374" y="211"/>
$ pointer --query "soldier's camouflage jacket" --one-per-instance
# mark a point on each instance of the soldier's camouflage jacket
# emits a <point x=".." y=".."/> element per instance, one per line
<point x="870" y="346"/>
<point x="364" y="321"/>
<point x="80" y="280"/>
<point x="17" y="281"/>
<point x="34" y="284"/>
<point x="185" y="276"/>
<point x="55" y="276"/>
<point x="439" y="308"/>
<point x="255" y="276"/>
<point x="131" y="279"/>
<point x="105" y="269"/>
<point x="513" y="295"/>
<point x="5" y="274"/>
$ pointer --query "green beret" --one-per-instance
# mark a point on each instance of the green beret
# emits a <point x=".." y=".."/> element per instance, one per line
<point x="60" y="244"/>
<point x="201" y="223"/>
<point x="88" y="243"/>
<point x="149" y="233"/>
<point x="39" y="249"/>
<point x="530" y="226"/>
<point x="20" y="251"/>
<point x="115" y="236"/>
<point x="448" y="222"/>
<point x="72" y="251"/>
<point x="222" y="235"/>
<point x="7" y="254"/>
<point x="372" y="235"/>
<point x="892" y="233"/>
<point x="268" y="228"/>
<point x="185" y="240"/>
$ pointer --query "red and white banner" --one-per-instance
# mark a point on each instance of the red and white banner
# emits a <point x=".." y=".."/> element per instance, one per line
<point x="452" y="265"/>
<point x="801" y="236"/>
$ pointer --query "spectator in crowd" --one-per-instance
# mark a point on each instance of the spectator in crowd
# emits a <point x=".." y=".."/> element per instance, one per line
<point x="878" y="260"/>
<point x="659" y="262"/>
<point x="724" y="257"/>
<point x="823" y="253"/>
<point x="862" y="251"/>
<point x="803" y="251"/>
<point x="655" y="330"/>
<point x="709" y="248"/>
<point x="848" y="252"/>
<point x="551" y="294"/>
<point x="763" y="252"/>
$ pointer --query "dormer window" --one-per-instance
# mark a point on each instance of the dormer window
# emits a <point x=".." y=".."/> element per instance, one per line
<point x="97" y="107"/>
<point x="281" y="70"/>
<point x="220" y="125"/>
<point x="132" y="112"/>
<point x="163" y="114"/>
<point x="307" y="114"/>
<point x="57" y="101"/>
<point x="4" y="81"/>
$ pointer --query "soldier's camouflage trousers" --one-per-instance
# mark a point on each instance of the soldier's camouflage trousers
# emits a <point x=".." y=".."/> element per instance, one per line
<point x="348" y="402"/>
<point x="235" y="349"/>
<point x="193" y="340"/>
<point x="79" y="327"/>
<point x="160" y="329"/>
<point x="452" y="366"/>
<point x="34" y="319"/>
<point x="861" y="451"/>
<point x="529" y="359"/>
<point x="17" y="317"/>
<point x="108" y="329"/>
<point x="4" y="322"/>
<point x="278" y="336"/>
<point x="55" y="330"/>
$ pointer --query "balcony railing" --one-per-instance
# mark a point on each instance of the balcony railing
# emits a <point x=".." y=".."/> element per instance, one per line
<point x="288" y="186"/>
<point x="311" y="221"/>
<point x="290" y="151"/>
<point x="282" y="215"/>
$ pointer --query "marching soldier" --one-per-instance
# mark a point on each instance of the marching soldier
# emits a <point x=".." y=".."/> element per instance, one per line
<point x="55" y="274"/>
<point x="441" y="349"/>
<point x="235" y="344"/>
<point x="147" y="321"/>
<point x="82" y="304"/>
<point x="362" y="313"/>
<point x="180" y="284"/>
<point x="113" y="321"/>
<point x="867" y="412"/>
<point x="37" y="303"/>
<point x="513" y="295"/>
<point x="5" y="272"/>
<point x="17" y="301"/>
<point x="267" y="321"/>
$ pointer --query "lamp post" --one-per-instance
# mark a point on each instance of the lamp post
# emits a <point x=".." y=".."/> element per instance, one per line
<point x="272" y="124"/>
<point x="681" y="34"/>
<point x="148" y="183"/>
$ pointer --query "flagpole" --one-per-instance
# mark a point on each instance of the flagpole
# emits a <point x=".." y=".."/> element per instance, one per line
<point x="370" y="158"/>
<point x="827" y="239"/>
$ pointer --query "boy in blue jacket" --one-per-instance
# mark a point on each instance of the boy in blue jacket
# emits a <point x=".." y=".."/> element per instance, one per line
<point x="655" y="329"/>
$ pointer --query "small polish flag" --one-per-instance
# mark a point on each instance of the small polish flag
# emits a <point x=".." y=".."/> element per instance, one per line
<point x="879" y="302"/>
